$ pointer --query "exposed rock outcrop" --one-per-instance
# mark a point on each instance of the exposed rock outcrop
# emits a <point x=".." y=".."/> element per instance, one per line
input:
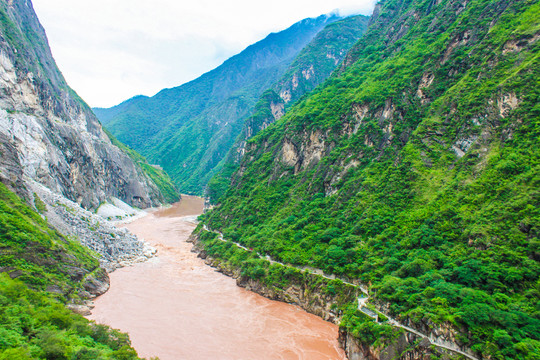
<point x="95" y="284"/>
<point x="52" y="146"/>
<point x="407" y="346"/>
<point x="58" y="140"/>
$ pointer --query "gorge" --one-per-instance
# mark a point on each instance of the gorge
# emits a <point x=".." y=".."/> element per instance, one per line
<point x="379" y="177"/>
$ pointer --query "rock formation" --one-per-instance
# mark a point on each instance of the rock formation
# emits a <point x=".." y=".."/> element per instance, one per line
<point x="53" y="147"/>
<point x="58" y="140"/>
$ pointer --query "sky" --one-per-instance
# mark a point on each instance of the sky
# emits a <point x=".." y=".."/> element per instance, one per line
<point x="112" y="50"/>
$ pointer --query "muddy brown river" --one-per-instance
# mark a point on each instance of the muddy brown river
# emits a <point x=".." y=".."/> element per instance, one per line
<point x="178" y="308"/>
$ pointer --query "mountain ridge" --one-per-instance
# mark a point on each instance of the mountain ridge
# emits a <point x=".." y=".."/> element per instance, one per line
<point x="312" y="66"/>
<point x="188" y="129"/>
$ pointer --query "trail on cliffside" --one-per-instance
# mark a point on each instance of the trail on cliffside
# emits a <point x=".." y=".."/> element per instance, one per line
<point x="361" y="301"/>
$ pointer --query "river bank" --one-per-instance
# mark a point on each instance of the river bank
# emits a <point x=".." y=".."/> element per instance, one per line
<point x="176" y="307"/>
<point x="365" y="334"/>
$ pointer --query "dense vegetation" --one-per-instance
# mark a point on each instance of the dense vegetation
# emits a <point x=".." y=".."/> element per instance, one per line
<point x="189" y="129"/>
<point x="274" y="276"/>
<point x="36" y="254"/>
<point x="34" y="326"/>
<point x="416" y="170"/>
<point x="312" y="66"/>
<point x="49" y="271"/>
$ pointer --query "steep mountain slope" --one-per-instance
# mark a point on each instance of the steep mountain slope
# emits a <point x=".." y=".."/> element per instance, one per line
<point x="54" y="150"/>
<point x="55" y="155"/>
<point x="319" y="58"/>
<point x="415" y="170"/>
<point x="48" y="132"/>
<point x="311" y="67"/>
<point x="189" y="129"/>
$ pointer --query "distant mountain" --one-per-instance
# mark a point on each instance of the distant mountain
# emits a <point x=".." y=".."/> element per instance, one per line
<point x="414" y="172"/>
<point x="189" y="129"/>
<point x="312" y="66"/>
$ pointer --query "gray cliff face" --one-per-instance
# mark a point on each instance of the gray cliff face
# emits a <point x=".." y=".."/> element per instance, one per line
<point x="47" y="133"/>
<point x="53" y="148"/>
<point x="11" y="172"/>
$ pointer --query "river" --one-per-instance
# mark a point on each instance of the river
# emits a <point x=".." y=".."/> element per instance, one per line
<point x="178" y="308"/>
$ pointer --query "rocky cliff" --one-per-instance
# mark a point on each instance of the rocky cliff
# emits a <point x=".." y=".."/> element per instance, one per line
<point x="53" y="149"/>
<point x="404" y="346"/>
<point x="48" y="133"/>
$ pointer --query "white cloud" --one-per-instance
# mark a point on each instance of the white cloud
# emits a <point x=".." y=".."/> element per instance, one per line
<point x="112" y="50"/>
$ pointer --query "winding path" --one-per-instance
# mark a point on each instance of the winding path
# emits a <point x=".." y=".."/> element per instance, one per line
<point x="362" y="301"/>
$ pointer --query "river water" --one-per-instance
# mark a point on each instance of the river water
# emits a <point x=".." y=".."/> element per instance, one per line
<point x="178" y="308"/>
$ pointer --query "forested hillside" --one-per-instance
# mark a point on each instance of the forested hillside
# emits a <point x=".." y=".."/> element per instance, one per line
<point x="188" y="129"/>
<point x="312" y="66"/>
<point x="415" y="169"/>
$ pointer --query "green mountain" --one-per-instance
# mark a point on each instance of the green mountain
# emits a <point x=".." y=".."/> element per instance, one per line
<point x="319" y="58"/>
<point x="189" y="129"/>
<point x="414" y="170"/>
<point x="312" y="66"/>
